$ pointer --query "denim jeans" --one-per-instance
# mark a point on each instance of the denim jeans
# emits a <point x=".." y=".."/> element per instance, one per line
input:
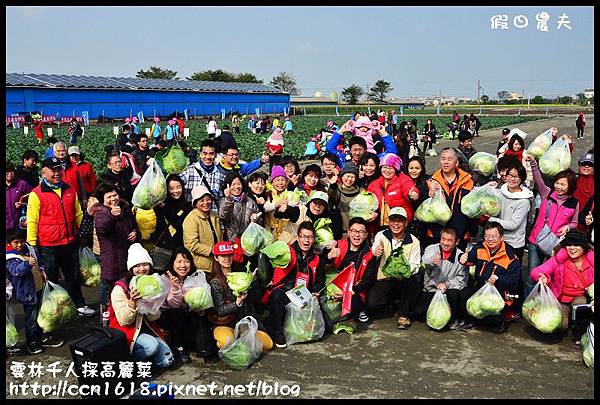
<point x="33" y="333"/>
<point x="153" y="348"/>
<point x="66" y="259"/>
<point x="535" y="257"/>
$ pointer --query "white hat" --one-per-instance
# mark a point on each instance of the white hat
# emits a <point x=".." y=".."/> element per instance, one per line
<point x="319" y="195"/>
<point x="73" y="150"/>
<point x="398" y="211"/>
<point x="137" y="255"/>
<point x="199" y="192"/>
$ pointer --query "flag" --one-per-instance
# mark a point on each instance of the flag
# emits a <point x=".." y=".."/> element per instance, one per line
<point x="140" y="116"/>
<point x="344" y="281"/>
<point x="185" y="113"/>
<point x="257" y="110"/>
<point x="86" y="118"/>
<point x="222" y="113"/>
<point x="337" y="111"/>
<point x="401" y="110"/>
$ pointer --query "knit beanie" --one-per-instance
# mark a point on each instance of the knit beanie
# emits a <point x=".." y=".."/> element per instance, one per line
<point x="277" y="171"/>
<point x="349" y="167"/>
<point x="391" y="159"/>
<point x="137" y="255"/>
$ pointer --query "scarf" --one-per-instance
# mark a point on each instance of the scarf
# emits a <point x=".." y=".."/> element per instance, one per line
<point x="52" y="186"/>
<point x="239" y="198"/>
<point x="207" y="169"/>
<point x="518" y="155"/>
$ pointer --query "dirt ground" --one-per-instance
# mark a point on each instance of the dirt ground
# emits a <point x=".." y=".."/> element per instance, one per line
<point x="380" y="361"/>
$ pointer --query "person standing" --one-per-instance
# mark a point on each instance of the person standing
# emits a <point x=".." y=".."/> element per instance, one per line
<point x="16" y="191"/>
<point x="580" y="124"/>
<point x="74" y="131"/>
<point x="211" y="127"/>
<point x="85" y="170"/>
<point x="38" y="126"/>
<point x="53" y="218"/>
<point x="156" y="130"/>
<point x="585" y="179"/>
<point x="235" y="123"/>
<point x="28" y="170"/>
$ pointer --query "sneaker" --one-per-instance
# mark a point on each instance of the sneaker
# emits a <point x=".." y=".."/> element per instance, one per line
<point x="51" y="341"/>
<point x="363" y="317"/>
<point x="465" y="326"/>
<point x="14" y="351"/>
<point x="501" y="328"/>
<point x="35" y="348"/>
<point x="280" y="340"/>
<point x="183" y="355"/>
<point x="455" y="325"/>
<point x="85" y="311"/>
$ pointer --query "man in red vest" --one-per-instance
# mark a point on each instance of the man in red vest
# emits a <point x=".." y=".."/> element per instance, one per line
<point x="53" y="218"/>
<point x="305" y="267"/>
<point x="357" y="250"/>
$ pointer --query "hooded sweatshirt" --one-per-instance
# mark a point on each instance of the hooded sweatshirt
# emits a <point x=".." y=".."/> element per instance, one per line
<point x="513" y="214"/>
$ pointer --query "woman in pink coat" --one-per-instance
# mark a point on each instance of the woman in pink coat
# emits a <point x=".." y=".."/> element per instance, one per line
<point x="569" y="273"/>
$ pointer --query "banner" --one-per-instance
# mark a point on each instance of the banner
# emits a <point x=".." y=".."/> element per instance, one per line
<point x="140" y="116"/>
<point x="401" y="110"/>
<point x="257" y="111"/>
<point x="46" y="119"/>
<point x="337" y="111"/>
<point x="222" y="113"/>
<point x="86" y="118"/>
<point x="185" y="114"/>
<point x="438" y="109"/>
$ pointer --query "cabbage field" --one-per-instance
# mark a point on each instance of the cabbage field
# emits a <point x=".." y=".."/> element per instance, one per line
<point x="251" y="145"/>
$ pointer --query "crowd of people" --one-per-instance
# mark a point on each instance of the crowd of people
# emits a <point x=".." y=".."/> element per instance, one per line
<point x="196" y="231"/>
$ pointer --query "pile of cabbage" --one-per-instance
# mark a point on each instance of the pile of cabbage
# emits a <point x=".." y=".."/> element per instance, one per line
<point x="172" y="160"/>
<point x="556" y="159"/>
<point x="152" y="188"/>
<point x="278" y="253"/>
<point x="303" y="324"/>
<point x="254" y="238"/>
<point x="323" y="232"/>
<point x="485" y="302"/>
<point x="483" y="162"/>
<point x="438" y="313"/>
<point x="363" y="205"/>
<point x="479" y="202"/>
<point x="89" y="268"/>
<point x="540" y="144"/>
<point x="397" y="266"/>
<point x="12" y="336"/>
<point x="240" y="281"/>
<point x="434" y="209"/>
<point x="542" y="310"/>
<point x="587" y="344"/>
<point x="57" y="308"/>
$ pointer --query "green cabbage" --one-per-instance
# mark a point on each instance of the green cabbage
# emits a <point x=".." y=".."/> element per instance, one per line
<point x="480" y="202"/>
<point x="556" y="159"/>
<point x="238" y="356"/>
<point x="540" y="144"/>
<point x="331" y="289"/>
<point x="590" y="290"/>
<point x="240" y="281"/>
<point x="197" y="298"/>
<point x="148" y="286"/>
<point x="342" y="327"/>
<point x="363" y="205"/>
<point x="438" y="313"/>
<point x="585" y="339"/>
<point x="254" y="238"/>
<point x="432" y="210"/>
<point x="278" y="253"/>
<point x="172" y="159"/>
<point x="323" y="232"/>
<point x="147" y="196"/>
<point x="296" y="197"/>
<point x="588" y="356"/>
<point x="12" y="336"/>
<point x="482" y="305"/>
<point x="333" y="308"/>
<point x="397" y="266"/>
<point x="90" y="271"/>
<point x="56" y="309"/>
<point x="304" y="328"/>
<point x="483" y="163"/>
<point x="547" y="319"/>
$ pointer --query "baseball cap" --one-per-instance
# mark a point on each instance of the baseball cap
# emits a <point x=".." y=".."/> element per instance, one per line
<point x="74" y="150"/>
<point x="51" y="163"/>
<point x="506" y="131"/>
<point x="398" y="211"/>
<point x="319" y="195"/>
<point x="587" y="157"/>
<point x="222" y="248"/>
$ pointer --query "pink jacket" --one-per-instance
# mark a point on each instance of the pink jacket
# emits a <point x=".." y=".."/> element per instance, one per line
<point x="175" y="298"/>
<point x="554" y="268"/>
<point x="566" y="213"/>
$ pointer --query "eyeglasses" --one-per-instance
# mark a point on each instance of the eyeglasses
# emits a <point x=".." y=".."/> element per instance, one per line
<point x="512" y="176"/>
<point x="491" y="237"/>
<point x="306" y="237"/>
<point x="356" y="232"/>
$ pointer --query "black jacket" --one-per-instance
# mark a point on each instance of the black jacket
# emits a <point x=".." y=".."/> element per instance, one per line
<point x="121" y="181"/>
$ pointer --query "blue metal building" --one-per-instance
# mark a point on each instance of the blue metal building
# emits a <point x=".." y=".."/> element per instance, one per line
<point x="118" y="97"/>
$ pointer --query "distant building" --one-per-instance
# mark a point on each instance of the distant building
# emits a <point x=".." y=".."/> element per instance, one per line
<point x="515" y="96"/>
<point x="308" y="101"/>
<point x="588" y="93"/>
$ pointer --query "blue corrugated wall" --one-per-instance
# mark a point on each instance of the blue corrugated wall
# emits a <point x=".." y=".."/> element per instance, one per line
<point x="119" y="103"/>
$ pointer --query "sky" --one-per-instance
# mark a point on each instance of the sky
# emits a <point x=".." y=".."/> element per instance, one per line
<point x="421" y="51"/>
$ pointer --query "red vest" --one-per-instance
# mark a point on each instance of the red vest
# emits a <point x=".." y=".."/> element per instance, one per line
<point x="131" y="330"/>
<point x="343" y="246"/>
<point x="57" y="225"/>
<point x="280" y="273"/>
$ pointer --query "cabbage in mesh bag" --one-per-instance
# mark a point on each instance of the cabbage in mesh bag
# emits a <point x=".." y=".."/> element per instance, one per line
<point x="434" y="209"/>
<point x="556" y="159"/>
<point x="542" y="310"/>
<point x="438" y="313"/>
<point x="485" y="302"/>
<point x="483" y="163"/>
<point x="363" y="205"/>
<point x="479" y="202"/>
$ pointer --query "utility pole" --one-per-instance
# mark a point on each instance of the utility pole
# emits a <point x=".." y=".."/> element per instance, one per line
<point x="478" y="88"/>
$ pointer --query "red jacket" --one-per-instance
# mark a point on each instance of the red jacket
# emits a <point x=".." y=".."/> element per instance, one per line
<point x="343" y="245"/>
<point x="57" y="225"/>
<point x="395" y="194"/>
<point x="72" y="178"/>
<point x="584" y="190"/>
<point x="88" y="177"/>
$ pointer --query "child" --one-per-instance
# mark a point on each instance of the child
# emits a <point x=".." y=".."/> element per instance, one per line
<point x="287" y="126"/>
<point x="274" y="144"/>
<point x="27" y="279"/>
